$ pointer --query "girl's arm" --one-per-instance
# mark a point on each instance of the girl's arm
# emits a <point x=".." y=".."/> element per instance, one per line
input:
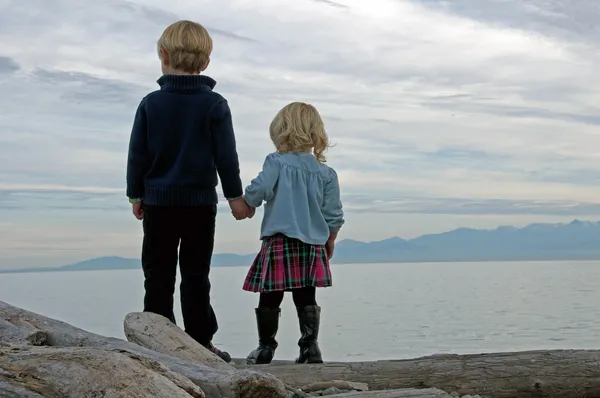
<point x="261" y="188"/>
<point x="332" y="206"/>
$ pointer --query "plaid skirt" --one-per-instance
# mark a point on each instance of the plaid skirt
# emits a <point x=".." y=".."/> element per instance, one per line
<point x="285" y="263"/>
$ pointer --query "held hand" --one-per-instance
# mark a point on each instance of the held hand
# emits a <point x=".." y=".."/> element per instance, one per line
<point x="251" y="212"/>
<point x="137" y="210"/>
<point x="239" y="208"/>
<point x="329" y="248"/>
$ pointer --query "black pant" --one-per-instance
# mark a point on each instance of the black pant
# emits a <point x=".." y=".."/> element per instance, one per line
<point x="192" y="230"/>
<point x="302" y="298"/>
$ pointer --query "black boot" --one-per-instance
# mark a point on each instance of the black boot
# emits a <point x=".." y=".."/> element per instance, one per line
<point x="267" y="320"/>
<point x="224" y="355"/>
<point x="309" y="318"/>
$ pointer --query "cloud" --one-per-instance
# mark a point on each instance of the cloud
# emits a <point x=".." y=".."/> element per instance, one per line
<point x="332" y="3"/>
<point x="8" y="65"/>
<point x="448" y="111"/>
<point x="79" y="87"/>
<point x="564" y="19"/>
<point x="99" y="199"/>
<point x="466" y="206"/>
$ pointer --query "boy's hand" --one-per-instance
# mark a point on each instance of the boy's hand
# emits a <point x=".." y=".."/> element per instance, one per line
<point x="329" y="248"/>
<point x="137" y="210"/>
<point x="239" y="208"/>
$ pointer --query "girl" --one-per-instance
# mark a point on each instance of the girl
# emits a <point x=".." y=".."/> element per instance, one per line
<point x="303" y="214"/>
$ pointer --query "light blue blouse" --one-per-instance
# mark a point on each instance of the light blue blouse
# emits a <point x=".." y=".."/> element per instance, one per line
<point x="302" y="197"/>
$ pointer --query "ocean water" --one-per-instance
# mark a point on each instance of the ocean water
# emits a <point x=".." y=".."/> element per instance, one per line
<point x="373" y="311"/>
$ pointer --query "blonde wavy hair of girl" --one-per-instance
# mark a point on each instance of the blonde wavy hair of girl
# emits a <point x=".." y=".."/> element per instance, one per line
<point x="298" y="127"/>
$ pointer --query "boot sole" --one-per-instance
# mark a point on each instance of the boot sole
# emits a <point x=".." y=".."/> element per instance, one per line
<point x="225" y="357"/>
<point x="260" y="360"/>
<point x="309" y="362"/>
<point x="257" y="362"/>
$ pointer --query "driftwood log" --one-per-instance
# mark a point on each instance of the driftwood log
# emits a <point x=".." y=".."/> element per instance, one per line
<point x="360" y="390"/>
<point x="20" y="332"/>
<point x="157" y="333"/>
<point x="78" y="371"/>
<point x="402" y="393"/>
<point x="558" y="373"/>
<point x="338" y="384"/>
<point x="42" y="357"/>
<point x="216" y="383"/>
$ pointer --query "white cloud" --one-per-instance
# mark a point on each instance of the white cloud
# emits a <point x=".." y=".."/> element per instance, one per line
<point x="444" y="114"/>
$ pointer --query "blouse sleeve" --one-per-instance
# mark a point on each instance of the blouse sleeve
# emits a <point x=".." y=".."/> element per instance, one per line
<point x="332" y="204"/>
<point x="261" y="188"/>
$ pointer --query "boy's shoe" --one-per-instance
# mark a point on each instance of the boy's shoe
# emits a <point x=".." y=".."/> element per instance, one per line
<point x="267" y="321"/>
<point x="224" y="355"/>
<point x="309" y="318"/>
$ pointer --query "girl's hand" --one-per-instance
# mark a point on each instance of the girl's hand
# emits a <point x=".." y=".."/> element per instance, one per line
<point x="329" y="248"/>
<point x="240" y="209"/>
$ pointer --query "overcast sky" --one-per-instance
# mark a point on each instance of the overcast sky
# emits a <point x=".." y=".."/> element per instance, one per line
<point x="474" y="113"/>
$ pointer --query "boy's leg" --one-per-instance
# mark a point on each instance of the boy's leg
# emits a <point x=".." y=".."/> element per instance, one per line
<point x="309" y="319"/>
<point x="195" y="253"/>
<point x="267" y="322"/>
<point x="159" y="260"/>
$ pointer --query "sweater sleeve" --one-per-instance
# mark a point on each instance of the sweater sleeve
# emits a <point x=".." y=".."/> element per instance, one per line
<point x="137" y="158"/>
<point x="261" y="188"/>
<point x="332" y="204"/>
<point x="224" y="150"/>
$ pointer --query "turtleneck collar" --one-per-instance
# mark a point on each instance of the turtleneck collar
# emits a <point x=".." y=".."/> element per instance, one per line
<point x="185" y="82"/>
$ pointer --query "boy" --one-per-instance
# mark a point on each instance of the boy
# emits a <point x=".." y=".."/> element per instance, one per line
<point x="182" y="137"/>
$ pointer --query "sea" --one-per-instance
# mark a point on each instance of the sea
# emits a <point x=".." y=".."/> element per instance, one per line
<point x="373" y="311"/>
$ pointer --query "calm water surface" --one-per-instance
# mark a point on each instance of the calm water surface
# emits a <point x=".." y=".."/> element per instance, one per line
<point x="373" y="311"/>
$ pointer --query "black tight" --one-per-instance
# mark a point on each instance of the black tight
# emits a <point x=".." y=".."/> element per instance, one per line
<point x="302" y="297"/>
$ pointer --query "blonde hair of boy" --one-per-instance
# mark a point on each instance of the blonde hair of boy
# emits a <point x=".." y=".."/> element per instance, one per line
<point x="185" y="46"/>
<point x="298" y="127"/>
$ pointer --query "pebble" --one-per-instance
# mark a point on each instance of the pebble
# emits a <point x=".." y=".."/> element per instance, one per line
<point x="328" y="392"/>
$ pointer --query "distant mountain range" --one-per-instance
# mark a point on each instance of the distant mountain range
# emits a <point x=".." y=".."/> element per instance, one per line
<point x="577" y="240"/>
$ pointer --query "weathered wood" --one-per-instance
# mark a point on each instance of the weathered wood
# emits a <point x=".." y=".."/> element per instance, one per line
<point x="157" y="333"/>
<point x="402" y="393"/>
<point x="8" y="390"/>
<point x="58" y="333"/>
<point x="557" y="374"/>
<point x="76" y="372"/>
<point x="216" y="383"/>
<point x="20" y="333"/>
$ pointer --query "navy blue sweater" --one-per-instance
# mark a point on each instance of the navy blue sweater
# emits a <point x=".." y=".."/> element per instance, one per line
<point x="182" y="137"/>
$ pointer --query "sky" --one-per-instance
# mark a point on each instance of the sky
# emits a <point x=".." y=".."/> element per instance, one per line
<point x="444" y="113"/>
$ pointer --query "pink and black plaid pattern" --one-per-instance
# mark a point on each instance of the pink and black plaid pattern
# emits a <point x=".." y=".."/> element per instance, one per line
<point x="284" y="264"/>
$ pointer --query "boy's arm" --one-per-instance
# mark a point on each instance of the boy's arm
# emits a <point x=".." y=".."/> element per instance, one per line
<point x="224" y="150"/>
<point x="261" y="188"/>
<point x="332" y="206"/>
<point x="137" y="159"/>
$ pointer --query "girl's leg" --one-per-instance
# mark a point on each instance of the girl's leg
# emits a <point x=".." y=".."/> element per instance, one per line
<point x="270" y="300"/>
<point x="309" y="318"/>
<point x="305" y="296"/>
<point x="267" y="321"/>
